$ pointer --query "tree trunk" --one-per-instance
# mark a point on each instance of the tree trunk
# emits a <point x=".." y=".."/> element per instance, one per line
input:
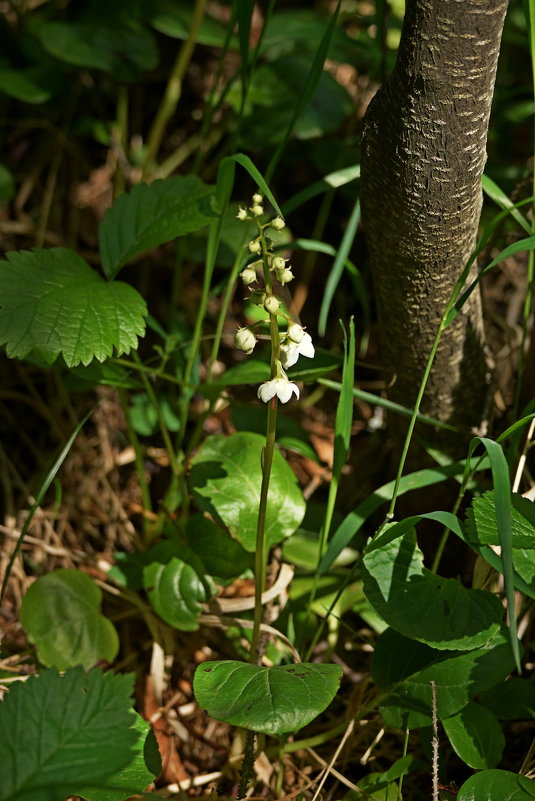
<point x="424" y="149"/>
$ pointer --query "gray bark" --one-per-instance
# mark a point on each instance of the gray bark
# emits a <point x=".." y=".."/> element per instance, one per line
<point x="424" y="149"/>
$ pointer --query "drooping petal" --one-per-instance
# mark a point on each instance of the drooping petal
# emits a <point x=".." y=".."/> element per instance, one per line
<point x="267" y="390"/>
<point x="285" y="389"/>
<point x="289" y="353"/>
<point x="306" y="347"/>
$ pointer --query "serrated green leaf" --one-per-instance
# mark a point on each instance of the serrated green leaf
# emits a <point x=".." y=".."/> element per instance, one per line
<point x="57" y="733"/>
<point x="61" y="614"/>
<point x="476" y="736"/>
<point x="481" y="521"/>
<point x="176" y="588"/>
<point x="491" y="785"/>
<point x="511" y="700"/>
<point x="51" y="300"/>
<point x="415" y="602"/>
<point x="273" y="700"/>
<point x="144" y="766"/>
<point x="150" y="215"/>
<point x="405" y="668"/>
<point x="226" y="476"/>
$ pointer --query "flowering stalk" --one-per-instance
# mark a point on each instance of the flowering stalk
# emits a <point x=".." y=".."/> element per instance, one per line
<point x="285" y="350"/>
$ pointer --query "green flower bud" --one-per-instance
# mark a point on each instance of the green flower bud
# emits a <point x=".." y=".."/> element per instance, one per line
<point x="257" y="296"/>
<point x="257" y="198"/>
<point x="248" y="276"/>
<point x="278" y="224"/>
<point x="271" y="304"/>
<point x="285" y="276"/>
<point x="255" y="246"/>
<point x="278" y="263"/>
<point x="257" y="210"/>
<point x="295" y="333"/>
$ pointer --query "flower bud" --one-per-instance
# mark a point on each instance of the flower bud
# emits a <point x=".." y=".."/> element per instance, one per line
<point x="295" y="333"/>
<point x="271" y="304"/>
<point x="257" y="198"/>
<point x="257" y="210"/>
<point x="255" y="246"/>
<point x="285" y="276"/>
<point x="245" y="340"/>
<point x="257" y="296"/>
<point x="248" y="276"/>
<point x="242" y="214"/>
<point x="278" y="263"/>
<point x="278" y="224"/>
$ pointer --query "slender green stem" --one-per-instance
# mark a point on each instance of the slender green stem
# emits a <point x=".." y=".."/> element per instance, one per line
<point x="174" y="87"/>
<point x="161" y="422"/>
<point x="267" y="461"/>
<point x="140" y="467"/>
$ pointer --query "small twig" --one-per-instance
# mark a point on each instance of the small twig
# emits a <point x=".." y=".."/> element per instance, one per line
<point x="328" y="769"/>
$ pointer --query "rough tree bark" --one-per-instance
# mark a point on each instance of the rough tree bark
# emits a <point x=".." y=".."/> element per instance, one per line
<point x="424" y="149"/>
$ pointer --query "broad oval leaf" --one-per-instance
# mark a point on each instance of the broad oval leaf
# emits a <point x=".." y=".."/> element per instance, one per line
<point x="59" y="732"/>
<point x="226" y="476"/>
<point x="221" y="555"/>
<point x="273" y="700"/>
<point x="405" y="668"/>
<point x="53" y="301"/>
<point x="476" y="736"/>
<point x="423" y="606"/>
<point x="176" y="591"/>
<point x="511" y="700"/>
<point x="150" y="215"/>
<point x="61" y="613"/>
<point x="491" y="785"/>
<point x="144" y="766"/>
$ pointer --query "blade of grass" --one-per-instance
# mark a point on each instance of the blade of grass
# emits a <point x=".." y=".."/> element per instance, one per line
<point x="308" y="90"/>
<point x="49" y="478"/>
<point x="331" y="181"/>
<point x="338" y="266"/>
<point x="496" y="194"/>
<point x="502" y="489"/>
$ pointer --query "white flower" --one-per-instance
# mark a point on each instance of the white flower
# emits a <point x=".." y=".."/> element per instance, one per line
<point x="284" y="276"/>
<point x="280" y="387"/>
<point x="278" y="263"/>
<point x="290" y="351"/>
<point x="257" y="198"/>
<point x="271" y="304"/>
<point x="278" y="223"/>
<point x="255" y="246"/>
<point x="257" y="210"/>
<point x="242" y="214"/>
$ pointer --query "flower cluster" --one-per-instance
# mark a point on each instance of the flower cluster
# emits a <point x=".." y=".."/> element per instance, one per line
<point x="287" y="345"/>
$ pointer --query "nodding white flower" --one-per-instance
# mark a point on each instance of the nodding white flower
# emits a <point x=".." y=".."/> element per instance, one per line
<point x="248" y="276"/>
<point x="242" y="214"/>
<point x="257" y="210"/>
<point x="271" y="304"/>
<point x="257" y="198"/>
<point x="285" y="275"/>
<point x="280" y="387"/>
<point x="244" y="339"/>
<point x="255" y="246"/>
<point x="291" y="351"/>
<point x="278" y="224"/>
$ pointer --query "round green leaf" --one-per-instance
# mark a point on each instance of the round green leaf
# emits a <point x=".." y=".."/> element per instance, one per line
<point x="226" y="476"/>
<point x="497" y="785"/>
<point x="53" y="301"/>
<point x="272" y="700"/>
<point x="220" y="554"/>
<point x="176" y="591"/>
<point x="476" y="736"/>
<point x="60" y="613"/>
<point x="415" y="602"/>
